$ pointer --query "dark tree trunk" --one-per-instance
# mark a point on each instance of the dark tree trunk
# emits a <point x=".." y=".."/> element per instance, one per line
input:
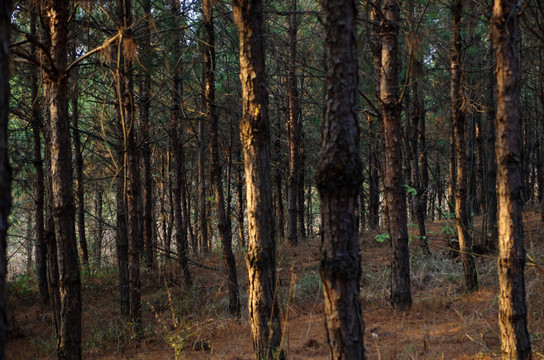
<point x="5" y="169"/>
<point x="515" y="343"/>
<point x="293" y="133"/>
<point x="255" y="139"/>
<point x="278" y="190"/>
<point x="125" y="97"/>
<point x="458" y="119"/>
<point x="339" y="177"/>
<point x="99" y="227"/>
<point x="401" y="298"/>
<point x="55" y="16"/>
<point x="145" y="103"/>
<point x="224" y="223"/>
<point x="240" y="198"/>
<point x="37" y="128"/>
<point x="202" y="200"/>
<point x="78" y="156"/>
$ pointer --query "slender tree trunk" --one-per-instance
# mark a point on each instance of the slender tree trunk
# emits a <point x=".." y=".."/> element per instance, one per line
<point x="240" y="198"/>
<point x="515" y="343"/>
<point x="78" y="156"/>
<point x="339" y="178"/>
<point x="278" y="192"/>
<point x="37" y="128"/>
<point x="401" y="298"/>
<point x="293" y="133"/>
<point x="5" y="169"/>
<point x="458" y="117"/>
<point x="100" y="227"/>
<point x="145" y="103"/>
<point x="255" y="139"/>
<point x="55" y="16"/>
<point x="124" y="89"/>
<point x="224" y="223"/>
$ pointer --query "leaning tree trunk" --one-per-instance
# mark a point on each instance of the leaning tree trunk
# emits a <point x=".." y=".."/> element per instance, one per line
<point x="515" y="343"/>
<point x="339" y="178"/>
<point x="401" y="297"/>
<point x="5" y="169"/>
<point x="255" y="139"/>
<point x="224" y="223"/>
<point x="458" y="118"/>
<point x="55" y="17"/>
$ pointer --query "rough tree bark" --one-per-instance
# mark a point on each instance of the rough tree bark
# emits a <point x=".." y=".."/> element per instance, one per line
<point x="458" y="119"/>
<point x="5" y="169"/>
<point x="339" y="178"/>
<point x="224" y="224"/>
<point x="255" y="139"/>
<point x="401" y="297"/>
<point x="515" y="343"/>
<point x="54" y="15"/>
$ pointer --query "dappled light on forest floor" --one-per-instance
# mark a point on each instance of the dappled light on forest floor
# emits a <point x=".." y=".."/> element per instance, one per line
<point x="444" y="322"/>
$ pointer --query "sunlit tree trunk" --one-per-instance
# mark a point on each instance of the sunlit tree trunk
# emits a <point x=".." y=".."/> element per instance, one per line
<point x="401" y="297"/>
<point x="515" y="343"/>
<point x="458" y="119"/>
<point x="255" y="139"/>
<point x="5" y="169"/>
<point x="54" y="15"/>
<point x="339" y="177"/>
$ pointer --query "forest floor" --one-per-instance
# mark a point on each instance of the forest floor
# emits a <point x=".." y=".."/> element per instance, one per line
<point x="444" y="322"/>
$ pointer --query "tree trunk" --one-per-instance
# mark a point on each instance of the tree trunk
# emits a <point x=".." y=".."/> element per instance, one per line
<point x="240" y="198"/>
<point x="224" y="223"/>
<point x="458" y="119"/>
<point x="55" y="16"/>
<point x="515" y="343"/>
<point x="78" y="156"/>
<point x="5" y="169"/>
<point x="100" y="227"/>
<point x="255" y="139"/>
<point x="145" y="103"/>
<point x="293" y="133"/>
<point x="339" y="178"/>
<point x="37" y="128"/>
<point x="124" y="88"/>
<point x="401" y="298"/>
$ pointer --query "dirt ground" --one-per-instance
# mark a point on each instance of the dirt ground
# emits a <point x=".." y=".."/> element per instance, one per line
<point x="444" y="322"/>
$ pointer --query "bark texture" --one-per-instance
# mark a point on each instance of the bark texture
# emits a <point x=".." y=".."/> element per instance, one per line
<point x="339" y="178"/>
<point x="515" y="343"/>
<point x="458" y="119"/>
<point x="54" y="15"/>
<point x="255" y="139"/>
<point x="401" y="297"/>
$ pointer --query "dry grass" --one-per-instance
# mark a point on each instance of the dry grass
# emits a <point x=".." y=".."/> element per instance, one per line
<point x="444" y="323"/>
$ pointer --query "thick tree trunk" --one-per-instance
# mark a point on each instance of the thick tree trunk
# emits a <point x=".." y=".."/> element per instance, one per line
<point x="293" y="133"/>
<point x="255" y="139"/>
<point x="515" y="343"/>
<point x="401" y="297"/>
<point x="55" y="15"/>
<point x="339" y="178"/>
<point x="224" y="223"/>
<point x="5" y="169"/>
<point x="37" y="128"/>
<point x="458" y="119"/>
